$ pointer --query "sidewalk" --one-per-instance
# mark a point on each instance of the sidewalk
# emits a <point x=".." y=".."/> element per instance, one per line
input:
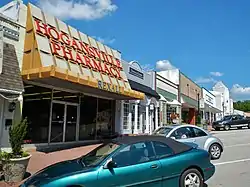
<point x="40" y="160"/>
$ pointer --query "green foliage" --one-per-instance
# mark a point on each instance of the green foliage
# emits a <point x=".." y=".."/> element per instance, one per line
<point x="242" y="105"/>
<point x="17" y="134"/>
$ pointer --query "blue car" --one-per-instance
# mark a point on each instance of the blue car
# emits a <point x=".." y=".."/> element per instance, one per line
<point x="144" y="161"/>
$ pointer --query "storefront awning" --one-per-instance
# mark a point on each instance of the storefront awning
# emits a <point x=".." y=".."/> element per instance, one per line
<point x="145" y="89"/>
<point x="11" y="84"/>
<point x="209" y="108"/>
<point x="173" y="102"/>
<point x="188" y="101"/>
<point x="59" y="55"/>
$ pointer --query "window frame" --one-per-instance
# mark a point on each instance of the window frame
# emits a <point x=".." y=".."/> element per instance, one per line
<point x="163" y="157"/>
<point x="128" y="145"/>
<point x="183" y="128"/>
<point x="195" y="128"/>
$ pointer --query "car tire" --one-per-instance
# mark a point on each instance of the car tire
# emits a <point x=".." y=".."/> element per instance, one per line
<point x="215" y="151"/>
<point x="217" y="128"/>
<point x="190" y="174"/>
<point x="227" y="127"/>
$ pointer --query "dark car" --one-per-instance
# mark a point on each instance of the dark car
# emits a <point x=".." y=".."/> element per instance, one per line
<point x="131" y="161"/>
<point x="232" y="121"/>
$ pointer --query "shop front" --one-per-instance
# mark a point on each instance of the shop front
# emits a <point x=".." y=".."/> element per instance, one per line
<point x="72" y="83"/>
<point x="170" y="107"/>
<point x="208" y="107"/>
<point x="11" y="85"/>
<point x="190" y="94"/>
<point x="140" y="116"/>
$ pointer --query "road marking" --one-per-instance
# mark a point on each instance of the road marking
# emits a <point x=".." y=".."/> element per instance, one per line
<point x="232" y="162"/>
<point x="237" y="145"/>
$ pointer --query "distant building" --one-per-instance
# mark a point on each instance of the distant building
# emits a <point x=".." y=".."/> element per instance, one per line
<point x="223" y="100"/>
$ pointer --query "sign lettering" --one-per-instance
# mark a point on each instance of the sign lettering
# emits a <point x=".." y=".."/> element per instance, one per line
<point x="109" y="87"/>
<point x="79" y="52"/>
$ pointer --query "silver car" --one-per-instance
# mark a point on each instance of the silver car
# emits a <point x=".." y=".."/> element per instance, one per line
<point x="193" y="134"/>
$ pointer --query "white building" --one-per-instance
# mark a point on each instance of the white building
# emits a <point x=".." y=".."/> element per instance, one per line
<point x="208" y="106"/>
<point x="139" y="116"/>
<point x="223" y="100"/>
<point x="167" y="86"/>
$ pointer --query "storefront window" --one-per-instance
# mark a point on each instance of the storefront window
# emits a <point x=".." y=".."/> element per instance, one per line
<point x="126" y="106"/>
<point x="164" y="113"/>
<point x="88" y="111"/>
<point x="37" y="113"/>
<point x="171" y="112"/>
<point x="138" y="117"/>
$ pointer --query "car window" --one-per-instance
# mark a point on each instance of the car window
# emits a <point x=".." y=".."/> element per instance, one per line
<point x="162" y="150"/>
<point x="163" y="130"/>
<point x="134" y="154"/>
<point x="183" y="133"/>
<point x="240" y="117"/>
<point x="198" y="132"/>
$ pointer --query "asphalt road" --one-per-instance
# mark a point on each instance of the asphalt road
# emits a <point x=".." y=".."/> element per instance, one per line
<point x="233" y="168"/>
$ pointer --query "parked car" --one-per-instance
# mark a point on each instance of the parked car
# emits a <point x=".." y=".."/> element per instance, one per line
<point x="130" y="161"/>
<point x="193" y="134"/>
<point x="231" y="121"/>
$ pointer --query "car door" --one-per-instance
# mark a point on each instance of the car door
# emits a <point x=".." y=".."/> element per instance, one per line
<point x="200" y="137"/>
<point x="136" y="165"/>
<point x="183" y="134"/>
<point x="234" y="121"/>
<point x="170" y="173"/>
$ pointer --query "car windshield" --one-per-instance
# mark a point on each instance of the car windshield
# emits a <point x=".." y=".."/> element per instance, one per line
<point x="96" y="156"/>
<point x="226" y="118"/>
<point x="163" y="130"/>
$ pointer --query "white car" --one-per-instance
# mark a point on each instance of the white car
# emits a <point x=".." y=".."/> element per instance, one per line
<point x="193" y="134"/>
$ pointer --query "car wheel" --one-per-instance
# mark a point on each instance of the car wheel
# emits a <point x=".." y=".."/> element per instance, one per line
<point x="191" y="177"/>
<point x="215" y="151"/>
<point x="226" y="127"/>
<point x="217" y="128"/>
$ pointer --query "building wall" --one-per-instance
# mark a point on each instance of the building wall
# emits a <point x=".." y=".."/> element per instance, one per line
<point x="134" y="72"/>
<point x="16" y="24"/>
<point x="188" y="87"/>
<point x="172" y="75"/>
<point x="220" y="87"/>
<point x="164" y="83"/>
<point x="208" y="97"/>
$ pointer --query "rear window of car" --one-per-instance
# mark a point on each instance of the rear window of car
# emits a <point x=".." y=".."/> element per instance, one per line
<point x="163" y="130"/>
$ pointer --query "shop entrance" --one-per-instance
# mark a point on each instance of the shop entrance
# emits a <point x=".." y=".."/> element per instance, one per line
<point x="64" y="121"/>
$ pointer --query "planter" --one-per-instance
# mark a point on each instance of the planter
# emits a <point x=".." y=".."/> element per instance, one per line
<point x="15" y="169"/>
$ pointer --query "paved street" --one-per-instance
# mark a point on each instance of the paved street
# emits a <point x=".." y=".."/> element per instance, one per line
<point x="233" y="168"/>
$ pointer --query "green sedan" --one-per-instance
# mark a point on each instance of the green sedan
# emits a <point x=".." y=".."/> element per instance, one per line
<point x="144" y="161"/>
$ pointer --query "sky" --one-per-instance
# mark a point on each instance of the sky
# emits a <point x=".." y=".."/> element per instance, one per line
<point x="208" y="40"/>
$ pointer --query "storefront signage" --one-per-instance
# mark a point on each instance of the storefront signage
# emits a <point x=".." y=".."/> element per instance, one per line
<point x="209" y="99"/>
<point x="76" y="51"/>
<point x="136" y="73"/>
<point x="109" y="87"/>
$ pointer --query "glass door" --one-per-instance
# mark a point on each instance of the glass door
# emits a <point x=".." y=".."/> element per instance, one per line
<point x="57" y="122"/>
<point x="71" y="123"/>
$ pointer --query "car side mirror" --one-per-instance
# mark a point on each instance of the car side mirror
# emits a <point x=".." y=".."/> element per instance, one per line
<point x="110" y="165"/>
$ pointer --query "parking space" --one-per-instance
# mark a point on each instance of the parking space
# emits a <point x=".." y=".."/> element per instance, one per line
<point x="233" y="168"/>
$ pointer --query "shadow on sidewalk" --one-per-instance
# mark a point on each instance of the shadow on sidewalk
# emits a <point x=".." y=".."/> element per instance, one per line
<point x="59" y="147"/>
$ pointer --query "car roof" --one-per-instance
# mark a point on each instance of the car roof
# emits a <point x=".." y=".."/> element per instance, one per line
<point x="176" y="146"/>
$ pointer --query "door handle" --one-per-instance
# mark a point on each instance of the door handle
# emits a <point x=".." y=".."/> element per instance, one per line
<point x="154" y="166"/>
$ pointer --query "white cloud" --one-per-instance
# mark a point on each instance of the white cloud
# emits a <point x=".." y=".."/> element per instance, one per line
<point x="104" y="40"/>
<point x="147" y="67"/>
<point x="240" y="90"/>
<point x="216" y="73"/>
<point x="78" y="9"/>
<point x="240" y="93"/>
<point x="164" y="65"/>
<point x="203" y="80"/>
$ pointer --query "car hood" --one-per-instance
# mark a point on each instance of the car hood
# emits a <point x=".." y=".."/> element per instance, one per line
<point x="57" y="170"/>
